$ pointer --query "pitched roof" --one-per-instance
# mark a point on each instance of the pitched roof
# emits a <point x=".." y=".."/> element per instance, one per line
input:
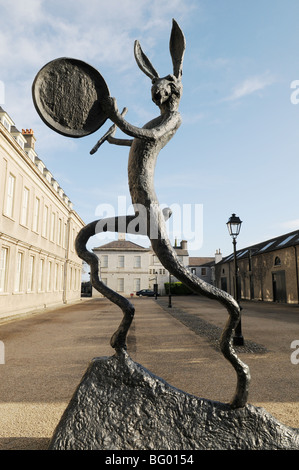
<point x="277" y="243"/>
<point x="200" y="261"/>
<point x="120" y="245"/>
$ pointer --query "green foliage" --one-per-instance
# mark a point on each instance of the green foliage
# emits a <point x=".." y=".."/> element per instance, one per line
<point x="177" y="288"/>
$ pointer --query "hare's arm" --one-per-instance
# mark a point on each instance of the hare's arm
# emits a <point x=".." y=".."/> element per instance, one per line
<point x="168" y="124"/>
<point x="113" y="140"/>
<point x="109" y="136"/>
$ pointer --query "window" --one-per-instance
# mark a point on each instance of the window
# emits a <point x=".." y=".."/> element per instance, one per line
<point x="73" y="239"/>
<point x="203" y="271"/>
<point x="137" y="262"/>
<point x="120" y="284"/>
<point x="59" y="241"/>
<point x="193" y="270"/>
<point x="61" y="276"/>
<point x="277" y="261"/>
<point x="104" y="261"/>
<point x="49" y="279"/>
<point x="121" y="261"/>
<point x="10" y="195"/>
<point x="71" y="279"/>
<point x="136" y="285"/>
<point x="6" y="124"/>
<point x="45" y="221"/>
<point x="286" y="240"/>
<point x="41" y="275"/>
<point x="19" y="272"/>
<point x="20" y="142"/>
<point x="75" y="279"/>
<point x="64" y="235"/>
<point x="30" y="274"/>
<point x="52" y="227"/>
<point x="36" y="215"/>
<point x="56" y="277"/>
<point x="3" y="268"/>
<point x="267" y="246"/>
<point x="25" y="205"/>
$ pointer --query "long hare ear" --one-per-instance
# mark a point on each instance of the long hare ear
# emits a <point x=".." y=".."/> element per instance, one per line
<point x="143" y="62"/>
<point x="177" y="46"/>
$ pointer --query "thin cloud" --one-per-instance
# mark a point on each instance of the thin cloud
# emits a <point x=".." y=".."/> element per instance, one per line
<point x="249" y="86"/>
<point x="291" y="224"/>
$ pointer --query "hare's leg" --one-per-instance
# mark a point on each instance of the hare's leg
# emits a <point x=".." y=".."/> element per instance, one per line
<point x="167" y="256"/>
<point x="118" y="340"/>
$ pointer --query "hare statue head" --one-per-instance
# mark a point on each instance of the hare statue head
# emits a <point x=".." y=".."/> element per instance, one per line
<point x="166" y="91"/>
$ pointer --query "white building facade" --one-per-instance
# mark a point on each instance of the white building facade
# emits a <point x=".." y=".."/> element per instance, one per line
<point x="123" y="267"/>
<point x="126" y="267"/>
<point x="38" y="263"/>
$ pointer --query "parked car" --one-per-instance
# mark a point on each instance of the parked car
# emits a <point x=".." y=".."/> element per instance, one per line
<point x="146" y="292"/>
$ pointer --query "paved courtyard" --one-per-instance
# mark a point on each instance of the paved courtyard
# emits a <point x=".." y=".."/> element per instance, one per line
<point x="47" y="353"/>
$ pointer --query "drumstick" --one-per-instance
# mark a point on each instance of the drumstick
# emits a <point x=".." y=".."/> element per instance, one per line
<point x="110" y="131"/>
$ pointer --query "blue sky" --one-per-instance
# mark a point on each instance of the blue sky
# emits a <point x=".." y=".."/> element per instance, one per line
<point x="238" y="147"/>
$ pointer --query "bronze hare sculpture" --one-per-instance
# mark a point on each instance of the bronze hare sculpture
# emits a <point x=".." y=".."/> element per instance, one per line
<point x="149" y="218"/>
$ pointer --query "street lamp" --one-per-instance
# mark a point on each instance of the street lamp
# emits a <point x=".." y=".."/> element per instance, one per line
<point x="234" y="227"/>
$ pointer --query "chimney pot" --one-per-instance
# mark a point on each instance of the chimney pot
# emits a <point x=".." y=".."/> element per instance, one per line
<point x="29" y="136"/>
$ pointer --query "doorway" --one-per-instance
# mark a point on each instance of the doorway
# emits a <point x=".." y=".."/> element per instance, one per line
<point x="279" y="286"/>
<point x="224" y="284"/>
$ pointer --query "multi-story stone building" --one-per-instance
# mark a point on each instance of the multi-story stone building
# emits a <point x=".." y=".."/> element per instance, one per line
<point x="127" y="267"/>
<point x="38" y="263"/>
<point x="266" y="271"/>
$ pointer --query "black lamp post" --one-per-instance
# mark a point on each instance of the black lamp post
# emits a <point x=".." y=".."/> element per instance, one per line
<point x="234" y="227"/>
<point x="169" y="292"/>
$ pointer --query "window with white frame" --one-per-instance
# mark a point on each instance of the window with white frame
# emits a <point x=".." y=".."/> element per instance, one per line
<point x="136" y="284"/>
<point x="19" y="272"/>
<point x="71" y="278"/>
<point x="20" y="142"/>
<point x="64" y="235"/>
<point x="52" y="227"/>
<point x="10" y="195"/>
<point x="36" y="215"/>
<point x="137" y="261"/>
<point x="121" y="261"/>
<point x="3" y="268"/>
<point x="104" y="261"/>
<point x="75" y="279"/>
<point x="61" y="277"/>
<point x="59" y="241"/>
<point x="49" y="278"/>
<point x="56" y="277"/>
<point x="45" y="221"/>
<point x="25" y="206"/>
<point x="120" y="284"/>
<point x="41" y="274"/>
<point x="6" y="124"/>
<point x="30" y="278"/>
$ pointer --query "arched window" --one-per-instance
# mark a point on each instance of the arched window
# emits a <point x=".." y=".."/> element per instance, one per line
<point x="277" y="261"/>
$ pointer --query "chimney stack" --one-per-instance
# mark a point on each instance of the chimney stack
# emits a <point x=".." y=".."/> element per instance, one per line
<point x="184" y="244"/>
<point x="29" y="136"/>
<point x="218" y="256"/>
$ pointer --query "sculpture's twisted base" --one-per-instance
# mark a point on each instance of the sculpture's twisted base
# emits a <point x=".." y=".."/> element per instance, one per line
<point x="119" y="405"/>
